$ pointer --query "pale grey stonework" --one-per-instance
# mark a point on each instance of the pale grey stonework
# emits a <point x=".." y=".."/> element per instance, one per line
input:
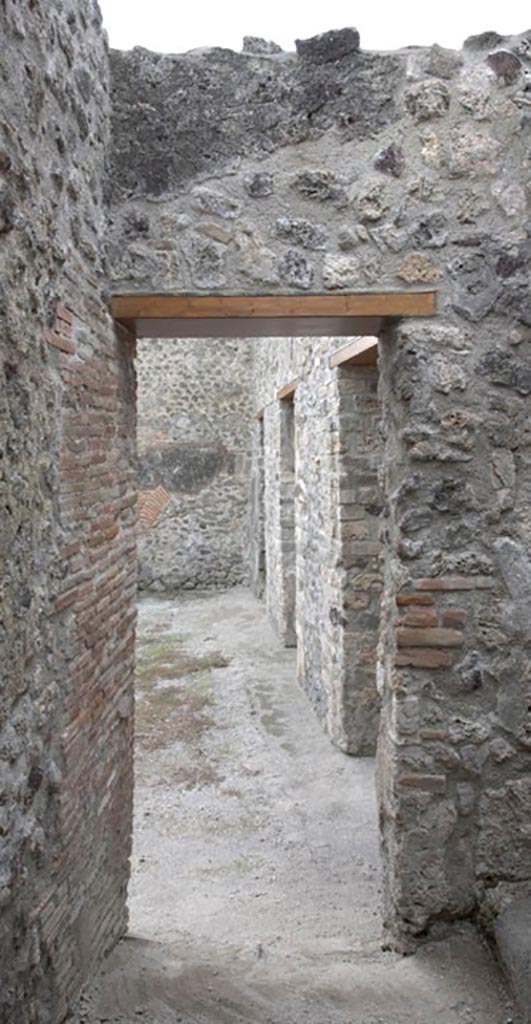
<point x="327" y="170"/>
<point x="410" y="170"/>
<point x="194" y="444"/>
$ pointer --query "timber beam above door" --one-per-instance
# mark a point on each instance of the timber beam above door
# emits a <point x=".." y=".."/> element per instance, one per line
<point x="253" y="316"/>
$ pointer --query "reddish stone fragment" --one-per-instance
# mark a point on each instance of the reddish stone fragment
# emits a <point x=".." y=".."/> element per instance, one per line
<point x="454" y="616"/>
<point x="428" y="783"/>
<point x="454" y="583"/>
<point x="407" y="599"/>
<point x="422" y="617"/>
<point x="436" y="637"/>
<point x="423" y="657"/>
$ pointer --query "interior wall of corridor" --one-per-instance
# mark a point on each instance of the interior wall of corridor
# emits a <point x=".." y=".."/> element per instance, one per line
<point x="67" y="535"/>
<point x="412" y="173"/>
<point x="321" y="509"/>
<point x="194" y="427"/>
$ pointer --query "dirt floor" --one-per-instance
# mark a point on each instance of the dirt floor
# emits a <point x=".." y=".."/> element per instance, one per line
<point x="255" y="895"/>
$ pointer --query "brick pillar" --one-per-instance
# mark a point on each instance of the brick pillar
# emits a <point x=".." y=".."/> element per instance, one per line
<point x="84" y="913"/>
<point x="350" y="632"/>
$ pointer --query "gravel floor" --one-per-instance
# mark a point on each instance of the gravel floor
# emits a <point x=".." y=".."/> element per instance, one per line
<point x="255" y="893"/>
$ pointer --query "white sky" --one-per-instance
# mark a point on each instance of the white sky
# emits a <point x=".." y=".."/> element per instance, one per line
<point x="173" y="27"/>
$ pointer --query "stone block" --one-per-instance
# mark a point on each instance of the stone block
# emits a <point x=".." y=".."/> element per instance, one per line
<point x="504" y="846"/>
<point x="301" y="232"/>
<point x="512" y="932"/>
<point x="427" y="783"/>
<point x="427" y="100"/>
<point x="506" y="65"/>
<point x="329" y="46"/>
<point x="421" y="617"/>
<point x="422" y="657"/>
<point x="429" y="637"/>
<point x="446" y="583"/>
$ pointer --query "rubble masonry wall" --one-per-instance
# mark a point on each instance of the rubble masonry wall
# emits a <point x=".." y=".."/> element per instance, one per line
<point x="336" y="170"/>
<point x="67" y="533"/>
<point x="195" y="420"/>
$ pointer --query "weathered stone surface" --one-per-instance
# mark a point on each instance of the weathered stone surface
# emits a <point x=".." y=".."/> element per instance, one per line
<point x="428" y="99"/>
<point x="505" y="371"/>
<point x="347" y="239"/>
<point x="341" y="272"/>
<point x="476" y="289"/>
<point x="371" y="201"/>
<point x="443" y="63"/>
<point x="300" y="99"/>
<point x="199" y="141"/>
<point x="431" y="231"/>
<point x="513" y="938"/>
<point x="321" y="185"/>
<point x="206" y="200"/>
<point x="417" y="268"/>
<point x="295" y="270"/>
<point x="504" y="831"/>
<point x="506" y="65"/>
<point x="473" y="151"/>
<point x="194" y="436"/>
<point x="253" y="44"/>
<point x="258" y="185"/>
<point x="474" y="92"/>
<point x="257" y="261"/>
<point x="390" y="160"/>
<point x="330" y="46"/>
<point x="483" y="41"/>
<point x="206" y="260"/>
<point x="350" y="271"/>
<point x="301" y="232"/>
<point x="511" y="197"/>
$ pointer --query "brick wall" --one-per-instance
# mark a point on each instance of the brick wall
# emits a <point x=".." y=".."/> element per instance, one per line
<point x="67" y="521"/>
<point x="84" y="914"/>
<point x="354" y="575"/>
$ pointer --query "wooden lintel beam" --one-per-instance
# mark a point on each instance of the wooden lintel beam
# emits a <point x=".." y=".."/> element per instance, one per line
<point x="130" y="308"/>
<point x="288" y="390"/>
<point x="359" y="352"/>
<point x="257" y="327"/>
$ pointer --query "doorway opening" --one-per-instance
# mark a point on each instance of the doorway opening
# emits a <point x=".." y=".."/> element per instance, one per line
<point x="257" y="871"/>
<point x="237" y="782"/>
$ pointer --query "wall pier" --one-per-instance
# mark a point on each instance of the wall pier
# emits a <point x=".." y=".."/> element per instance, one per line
<point x="450" y="754"/>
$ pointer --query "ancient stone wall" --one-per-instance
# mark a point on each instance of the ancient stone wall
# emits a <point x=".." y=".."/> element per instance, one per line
<point x="356" y="507"/>
<point x="454" y="750"/>
<point x="67" y="539"/>
<point x="194" y="444"/>
<point x="323" y="548"/>
<point x="335" y="170"/>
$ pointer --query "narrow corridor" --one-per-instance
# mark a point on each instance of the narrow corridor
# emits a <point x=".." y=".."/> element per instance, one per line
<point x="255" y="896"/>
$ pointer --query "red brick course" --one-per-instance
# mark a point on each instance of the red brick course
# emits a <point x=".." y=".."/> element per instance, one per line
<point x="96" y="598"/>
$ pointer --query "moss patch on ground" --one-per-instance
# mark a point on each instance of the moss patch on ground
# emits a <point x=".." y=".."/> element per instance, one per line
<point x="175" y="696"/>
